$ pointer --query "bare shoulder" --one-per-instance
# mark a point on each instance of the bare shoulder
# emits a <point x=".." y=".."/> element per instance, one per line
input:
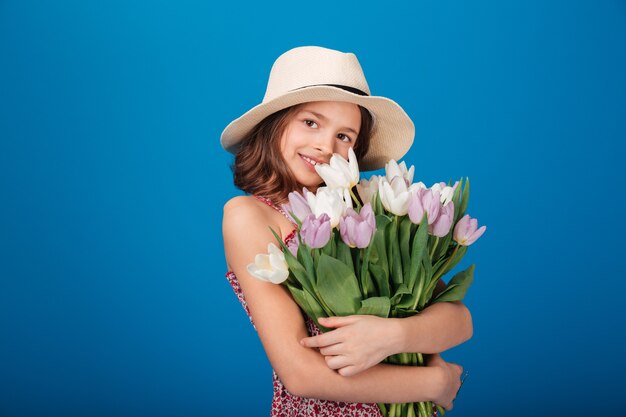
<point x="246" y="218"/>
<point x="240" y="203"/>
<point x="244" y="209"/>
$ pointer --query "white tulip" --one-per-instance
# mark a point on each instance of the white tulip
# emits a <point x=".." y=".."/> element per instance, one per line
<point x="332" y="201"/>
<point x="367" y="189"/>
<point x="446" y="193"/>
<point x="340" y="173"/>
<point x="416" y="187"/>
<point x="393" y="169"/>
<point x="270" y="267"/>
<point x="394" y="195"/>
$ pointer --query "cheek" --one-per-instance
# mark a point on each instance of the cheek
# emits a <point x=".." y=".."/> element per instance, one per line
<point x="342" y="149"/>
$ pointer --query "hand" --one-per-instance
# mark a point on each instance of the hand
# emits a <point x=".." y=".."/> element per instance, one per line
<point x="450" y="380"/>
<point x="357" y="343"/>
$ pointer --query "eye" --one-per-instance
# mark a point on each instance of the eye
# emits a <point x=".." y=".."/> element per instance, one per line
<point x="344" y="138"/>
<point x="310" y="122"/>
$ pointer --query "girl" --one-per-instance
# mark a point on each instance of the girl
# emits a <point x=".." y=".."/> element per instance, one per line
<point x="318" y="103"/>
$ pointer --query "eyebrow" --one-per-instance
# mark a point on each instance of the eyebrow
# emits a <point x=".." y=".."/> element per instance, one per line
<point x="321" y="116"/>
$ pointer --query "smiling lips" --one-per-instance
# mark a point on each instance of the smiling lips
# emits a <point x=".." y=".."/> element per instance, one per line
<point x="310" y="162"/>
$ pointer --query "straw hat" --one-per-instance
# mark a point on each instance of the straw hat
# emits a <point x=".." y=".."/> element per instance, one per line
<point x="313" y="73"/>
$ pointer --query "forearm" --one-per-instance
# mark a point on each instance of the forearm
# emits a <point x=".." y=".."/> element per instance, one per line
<point x="381" y="383"/>
<point x="436" y="329"/>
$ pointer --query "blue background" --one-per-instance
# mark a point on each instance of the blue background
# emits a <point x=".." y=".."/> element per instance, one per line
<point x="113" y="299"/>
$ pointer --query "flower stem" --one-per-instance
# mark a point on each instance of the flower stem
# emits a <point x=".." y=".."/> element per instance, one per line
<point x="432" y="251"/>
<point x="356" y="200"/>
<point x="438" y="274"/>
<point x="423" y="412"/>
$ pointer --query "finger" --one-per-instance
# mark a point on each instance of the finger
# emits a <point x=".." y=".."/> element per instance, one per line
<point x="337" y="362"/>
<point x="337" y="321"/>
<point x="322" y="340"/>
<point x="333" y="350"/>
<point x="348" y="370"/>
<point x="459" y="369"/>
<point x="446" y="406"/>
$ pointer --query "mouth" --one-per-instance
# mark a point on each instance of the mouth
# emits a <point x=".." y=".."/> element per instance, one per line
<point x="310" y="162"/>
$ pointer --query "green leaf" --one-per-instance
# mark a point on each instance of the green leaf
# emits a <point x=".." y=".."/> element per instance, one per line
<point x="308" y="304"/>
<point x="298" y="272"/>
<point x="458" y="286"/>
<point x="376" y="306"/>
<point x="418" y="251"/>
<point x="381" y="279"/>
<point x="444" y="246"/>
<point x="298" y="296"/>
<point x="382" y="221"/>
<point x="297" y="220"/>
<point x="427" y="270"/>
<point x="377" y="205"/>
<point x="440" y="262"/>
<point x="404" y="312"/>
<point x="367" y="284"/>
<point x="402" y="290"/>
<point x="330" y="248"/>
<point x="338" y="286"/>
<point x="447" y="267"/>
<point x="295" y="267"/>
<point x="378" y="264"/>
<point x="393" y="255"/>
<point x="318" y="310"/>
<point x="344" y="254"/>
<point x="465" y="199"/>
<point x="280" y="241"/>
<point x="405" y="252"/>
<point x="304" y="256"/>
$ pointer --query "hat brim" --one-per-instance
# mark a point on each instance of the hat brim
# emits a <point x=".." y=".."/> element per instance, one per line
<point x="392" y="131"/>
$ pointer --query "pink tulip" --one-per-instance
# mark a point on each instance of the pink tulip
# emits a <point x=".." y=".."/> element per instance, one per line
<point x="357" y="229"/>
<point x="316" y="231"/>
<point x="466" y="231"/>
<point x="297" y="205"/>
<point x="424" y="200"/>
<point x="441" y="226"/>
<point x="293" y="244"/>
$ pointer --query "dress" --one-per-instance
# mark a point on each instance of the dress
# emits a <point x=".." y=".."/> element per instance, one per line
<point x="285" y="404"/>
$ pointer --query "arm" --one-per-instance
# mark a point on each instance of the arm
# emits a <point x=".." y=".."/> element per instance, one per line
<point x="437" y="328"/>
<point x="280" y="326"/>
<point x="359" y="341"/>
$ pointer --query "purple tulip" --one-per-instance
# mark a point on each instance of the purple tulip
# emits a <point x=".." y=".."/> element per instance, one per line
<point x="297" y="205"/>
<point x="357" y="229"/>
<point x="441" y="226"/>
<point x="316" y="231"/>
<point x="424" y="200"/>
<point x="466" y="231"/>
<point x="293" y="244"/>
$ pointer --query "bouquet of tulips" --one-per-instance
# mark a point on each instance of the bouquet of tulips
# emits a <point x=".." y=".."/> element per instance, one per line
<point x="380" y="252"/>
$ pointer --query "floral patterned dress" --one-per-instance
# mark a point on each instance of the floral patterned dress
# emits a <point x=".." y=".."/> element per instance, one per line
<point x="285" y="404"/>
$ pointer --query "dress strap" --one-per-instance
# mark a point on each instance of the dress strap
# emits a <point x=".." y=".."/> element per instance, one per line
<point x="274" y="206"/>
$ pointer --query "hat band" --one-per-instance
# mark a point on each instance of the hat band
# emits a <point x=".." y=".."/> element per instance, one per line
<point x="344" y="87"/>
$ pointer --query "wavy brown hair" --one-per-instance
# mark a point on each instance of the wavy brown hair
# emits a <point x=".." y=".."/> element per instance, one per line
<point x="259" y="167"/>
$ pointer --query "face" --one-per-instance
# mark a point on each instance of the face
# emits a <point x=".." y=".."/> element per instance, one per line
<point x="316" y="131"/>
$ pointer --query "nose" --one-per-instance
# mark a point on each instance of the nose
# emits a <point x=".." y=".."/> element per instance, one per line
<point x="325" y="144"/>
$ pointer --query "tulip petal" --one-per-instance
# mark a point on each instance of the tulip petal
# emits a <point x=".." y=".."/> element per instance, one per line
<point x="474" y="236"/>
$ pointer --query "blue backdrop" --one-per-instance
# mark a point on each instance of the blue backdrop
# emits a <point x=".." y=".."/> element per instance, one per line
<point x="113" y="299"/>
